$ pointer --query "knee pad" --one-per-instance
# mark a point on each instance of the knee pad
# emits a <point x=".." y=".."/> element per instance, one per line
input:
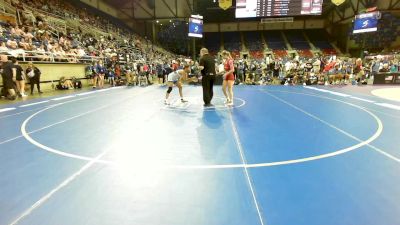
<point x="169" y="90"/>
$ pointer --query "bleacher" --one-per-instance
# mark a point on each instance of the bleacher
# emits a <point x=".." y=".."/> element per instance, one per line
<point x="235" y="54"/>
<point x="274" y="40"/>
<point x="254" y="44"/>
<point x="257" y="54"/>
<point x="279" y="53"/>
<point x="253" y="41"/>
<point x="118" y="39"/>
<point x="320" y="39"/>
<point x="305" y="53"/>
<point x="329" y="51"/>
<point x="212" y="41"/>
<point x="232" y="41"/>
<point x="297" y="40"/>
<point x="276" y="43"/>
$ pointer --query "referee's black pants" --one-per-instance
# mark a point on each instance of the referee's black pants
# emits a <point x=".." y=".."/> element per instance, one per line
<point x="208" y="84"/>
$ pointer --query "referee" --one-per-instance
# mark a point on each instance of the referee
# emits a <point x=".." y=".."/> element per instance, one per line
<point x="207" y="67"/>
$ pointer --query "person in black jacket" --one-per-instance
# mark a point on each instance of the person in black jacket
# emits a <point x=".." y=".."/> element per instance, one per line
<point x="8" y="78"/>
<point x="34" y="76"/>
<point x="208" y="72"/>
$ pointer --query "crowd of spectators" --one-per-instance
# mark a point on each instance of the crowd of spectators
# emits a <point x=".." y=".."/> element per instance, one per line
<point x="35" y="39"/>
<point x="32" y="37"/>
<point x="116" y="52"/>
<point x="14" y="78"/>
<point x="317" y="70"/>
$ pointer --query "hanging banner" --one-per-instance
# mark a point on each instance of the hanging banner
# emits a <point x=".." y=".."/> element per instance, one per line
<point x="338" y="2"/>
<point x="225" y="4"/>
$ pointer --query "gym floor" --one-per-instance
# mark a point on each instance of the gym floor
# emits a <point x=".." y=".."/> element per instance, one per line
<point x="280" y="156"/>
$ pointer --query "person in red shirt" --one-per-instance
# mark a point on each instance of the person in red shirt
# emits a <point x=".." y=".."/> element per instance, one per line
<point x="117" y="71"/>
<point x="146" y="71"/>
<point x="228" y="77"/>
<point x="145" y="68"/>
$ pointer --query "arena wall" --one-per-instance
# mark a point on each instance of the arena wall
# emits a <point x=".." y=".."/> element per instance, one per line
<point x="53" y="72"/>
<point x="100" y="5"/>
<point x="253" y="26"/>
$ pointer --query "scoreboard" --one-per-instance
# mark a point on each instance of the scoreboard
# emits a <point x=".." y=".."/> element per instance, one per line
<point x="266" y="8"/>
<point x="196" y="26"/>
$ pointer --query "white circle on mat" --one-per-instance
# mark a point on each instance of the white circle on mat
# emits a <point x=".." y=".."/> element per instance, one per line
<point x="215" y="166"/>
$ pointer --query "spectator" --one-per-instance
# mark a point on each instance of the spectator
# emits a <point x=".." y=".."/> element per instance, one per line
<point x="160" y="73"/>
<point x="385" y="68"/>
<point x="80" y="52"/>
<point x="131" y="77"/>
<point x="34" y="76"/>
<point x="118" y="71"/>
<point x="111" y="76"/>
<point x="394" y="67"/>
<point x="23" y="44"/>
<point x="101" y="71"/>
<point x="18" y="73"/>
<point x="41" y="54"/>
<point x="375" y="66"/>
<point x="3" y="47"/>
<point x="65" y="84"/>
<point x="359" y="71"/>
<point x="8" y="78"/>
<point x="277" y="67"/>
<point x="240" y="72"/>
<point x="317" y="65"/>
<point x="12" y="44"/>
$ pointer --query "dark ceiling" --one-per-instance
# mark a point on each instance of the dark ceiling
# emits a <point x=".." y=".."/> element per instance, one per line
<point x="212" y="13"/>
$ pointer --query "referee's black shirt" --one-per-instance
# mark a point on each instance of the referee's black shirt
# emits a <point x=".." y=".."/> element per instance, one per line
<point x="208" y="62"/>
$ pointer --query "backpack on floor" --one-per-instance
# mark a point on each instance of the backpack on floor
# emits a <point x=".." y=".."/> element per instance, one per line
<point x="120" y="82"/>
<point x="77" y="84"/>
<point x="60" y="87"/>
<point x="3" y="92"/>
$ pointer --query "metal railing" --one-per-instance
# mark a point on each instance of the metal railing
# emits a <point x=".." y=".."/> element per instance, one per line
<point x="59" y="23"/>
<point x="64" y="21"/>
<point x="56" y="23"/>
<point x="8" y="10"/>
<point x="2" y="7"/>
<point x="7" y="7"/>
<point x="43" y="57"/>
<point x="43" y="12"/>
<point x="40" y="56"/>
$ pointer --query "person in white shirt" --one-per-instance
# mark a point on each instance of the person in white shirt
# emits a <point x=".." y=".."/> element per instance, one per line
<point x="288" y="67"/>
<point x="80" y="52"/>
<point x="41" y="53"/>
<point x="3" y="47"/>
<point x="317" y="65"/>
<point x="175" y="78"/>
<point x="12" y="44"/>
